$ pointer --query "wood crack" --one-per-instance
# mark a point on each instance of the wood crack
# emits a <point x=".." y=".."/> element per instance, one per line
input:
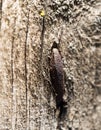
<point x="1" y="4"/>
<point x="42" y="39"/>
<point x="12" y="81"/>
<point x="26" y="72"/>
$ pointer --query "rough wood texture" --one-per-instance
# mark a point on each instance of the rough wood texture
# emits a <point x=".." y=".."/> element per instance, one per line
<point x="26" y="100"/>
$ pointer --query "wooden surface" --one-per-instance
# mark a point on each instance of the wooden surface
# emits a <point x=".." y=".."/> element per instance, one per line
<point x="26" y="100"/>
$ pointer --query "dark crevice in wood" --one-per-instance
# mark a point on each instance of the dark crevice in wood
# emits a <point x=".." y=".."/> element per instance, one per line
<point x="26" y="71"/>
<point x="41" y="66"/>
<point x="57" y="79"/>
<point x="12" y="57"/>
<point x="42" y="39"/>
<point x="12" y="68"/>
<point x="97" y="45"/>
<point x="1" y="4"/>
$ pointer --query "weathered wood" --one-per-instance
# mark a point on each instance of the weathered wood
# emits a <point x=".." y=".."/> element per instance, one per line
<point x="26" y="99"/>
